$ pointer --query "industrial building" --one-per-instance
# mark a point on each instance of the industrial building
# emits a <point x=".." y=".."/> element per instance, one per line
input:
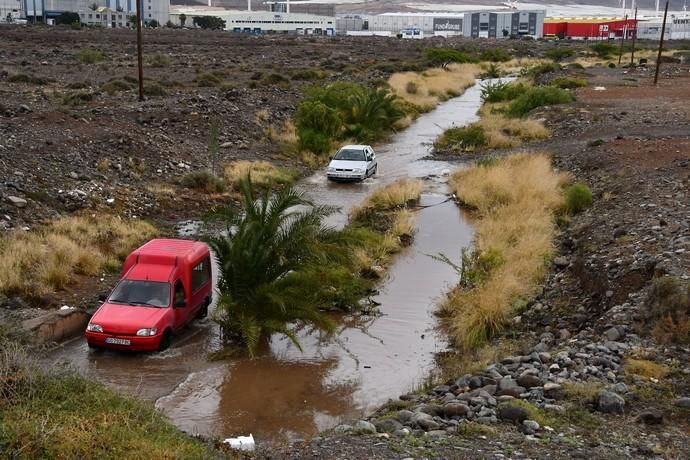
<point x="590" y="28"/>
<point x="426" y="24"/>
<point x="677" y="28"/>
<point x="151" y="9"/>
<point x="504" y="24"/>
<point x="277" y="18"/>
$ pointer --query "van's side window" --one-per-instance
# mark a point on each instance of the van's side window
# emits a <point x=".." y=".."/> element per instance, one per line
<point x="178" y="296"/>
<point x="201" y="273"/>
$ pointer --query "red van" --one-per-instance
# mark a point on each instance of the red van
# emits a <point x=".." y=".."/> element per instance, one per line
<point x="164" y="285"/>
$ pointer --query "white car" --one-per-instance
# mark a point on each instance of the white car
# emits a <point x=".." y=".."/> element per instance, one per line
<point x="352" y="162"/>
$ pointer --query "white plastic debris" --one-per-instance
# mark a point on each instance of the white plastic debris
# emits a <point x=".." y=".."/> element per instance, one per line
<point x="241" y="442"/>
<point x="599" y="88"/>
<point x="65" y="307"/>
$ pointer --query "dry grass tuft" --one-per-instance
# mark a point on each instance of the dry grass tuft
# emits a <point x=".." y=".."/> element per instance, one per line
<point x="283" y="135"/>
<point x="399" y="194"/>
<point x="37" y="263"/>
<point x="646" y="368"/>
<point x="262" y="173"/>
<point x="503" y="132"/>
<point x="427" y="89"/>
<point x="515" y="199"/>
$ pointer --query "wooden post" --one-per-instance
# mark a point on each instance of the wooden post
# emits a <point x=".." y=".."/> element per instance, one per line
<point x="139" y="52"/>
<point x="632" y="56"/>
<point x="661" y="46"/>
<point x="625" y="33"/>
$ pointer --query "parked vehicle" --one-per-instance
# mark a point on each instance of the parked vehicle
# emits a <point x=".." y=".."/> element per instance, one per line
<point x="164" y="285"/>
<point x="352" y="162"/>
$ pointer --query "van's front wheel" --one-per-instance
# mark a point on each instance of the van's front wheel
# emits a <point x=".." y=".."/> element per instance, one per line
<point x="166" y="340"/>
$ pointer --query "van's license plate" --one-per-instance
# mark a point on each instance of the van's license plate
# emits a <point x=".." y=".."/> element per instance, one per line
<point x="115" y="341"/>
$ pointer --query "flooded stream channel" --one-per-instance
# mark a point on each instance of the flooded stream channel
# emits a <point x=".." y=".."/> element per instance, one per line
<point x="288" y="394"/>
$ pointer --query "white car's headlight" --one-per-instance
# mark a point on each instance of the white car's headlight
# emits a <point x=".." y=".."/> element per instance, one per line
<point x="358" y="170"/>
<point x="331" y="169"/>
<point x="147" y="332"/>
<point x="94" y="328"/>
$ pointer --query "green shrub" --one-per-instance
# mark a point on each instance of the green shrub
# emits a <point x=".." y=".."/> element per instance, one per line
<point x="559" y="53"/>
<point x="465" y="139"/>
<point x="443" y="56"/>
<point x="538" y="97"/>
<point x="208" y="80"/>
<point x="75" y="99"/>
<point x="568" y="83"/>
<point x="153" y="89"/>
<point x="501" y="91"/>
<point x="274" y="79"/>
<point x="578" y="197"/>
<point x="308" y="74"/>
<point x="492" y="71"/>
<point x="344" y="110"/>
<point x="90" y="56"/>
<point x="495" y="55"/>
<point x="203" y="181"/>
<point x="115" y="86"/>
<point x="159" y="60"/>
<point x="19" y="78"/>
<point x="603" y="49"/>
<point x="317" y="126"/>
<point x="537" y="71"/>
<point x="75" y="25"/>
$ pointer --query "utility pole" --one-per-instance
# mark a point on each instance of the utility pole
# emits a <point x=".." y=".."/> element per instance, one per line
<point x="632" y="56"/>
<point x="625" y="33"/>
<point x="661" y="45"/>
<point x="139" y="52"/>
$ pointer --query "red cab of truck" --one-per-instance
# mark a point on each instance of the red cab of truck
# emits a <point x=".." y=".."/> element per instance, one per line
<point x="164" y="285"/>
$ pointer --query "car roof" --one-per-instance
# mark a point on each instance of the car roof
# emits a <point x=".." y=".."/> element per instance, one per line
<point x="355" y="147"/>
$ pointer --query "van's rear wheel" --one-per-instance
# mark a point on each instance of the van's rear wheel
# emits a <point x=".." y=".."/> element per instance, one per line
<point x="203" y="311"/>
<point x="166" y="340"/>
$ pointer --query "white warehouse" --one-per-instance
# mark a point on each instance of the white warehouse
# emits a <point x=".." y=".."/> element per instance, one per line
<point x="260" y="22"/>
<point x="428" y="24"/>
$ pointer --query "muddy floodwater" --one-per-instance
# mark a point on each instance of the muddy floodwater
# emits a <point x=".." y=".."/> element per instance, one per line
<point x="288" y="394"/>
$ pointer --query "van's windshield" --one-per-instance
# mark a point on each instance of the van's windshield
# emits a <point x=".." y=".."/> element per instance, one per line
<point x="141" y="293"/>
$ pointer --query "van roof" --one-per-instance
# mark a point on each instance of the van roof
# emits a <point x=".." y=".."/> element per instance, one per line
<point x="170" y="252"/>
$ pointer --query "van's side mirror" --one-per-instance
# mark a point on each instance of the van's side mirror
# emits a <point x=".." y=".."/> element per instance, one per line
<point x="179" y="303"/>
<point x="103" y="296"/>
<point x="330" y="158"/>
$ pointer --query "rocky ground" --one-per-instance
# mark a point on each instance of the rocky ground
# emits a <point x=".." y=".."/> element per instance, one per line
<point x="600" y="372"/>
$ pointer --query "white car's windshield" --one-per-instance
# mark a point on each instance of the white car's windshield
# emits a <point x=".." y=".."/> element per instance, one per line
<point x="350" y="155"/>
<point x="141" y="293"/>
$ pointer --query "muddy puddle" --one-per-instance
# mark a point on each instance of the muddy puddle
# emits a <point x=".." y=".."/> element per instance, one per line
<point x="288" y="394"/>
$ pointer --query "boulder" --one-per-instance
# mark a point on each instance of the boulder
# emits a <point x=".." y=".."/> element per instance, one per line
<point x="610" y="402"/>
<point x="651" y="417"/>
<point x="530" y="426"/>
<point x="16" y="201"/>
<point x="425" y="421"/>
<point x="529" y="380"/>
<point x="683" y="403"/>
<point x="515" y="414"/>
<point x="388" y="425"/>
<point x="364" y="427"/>
<point x="455" y="410"/>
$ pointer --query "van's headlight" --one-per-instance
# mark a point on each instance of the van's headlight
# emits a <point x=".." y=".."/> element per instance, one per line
<point x="147" y="332"/>
<point x="94" y="328"/>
